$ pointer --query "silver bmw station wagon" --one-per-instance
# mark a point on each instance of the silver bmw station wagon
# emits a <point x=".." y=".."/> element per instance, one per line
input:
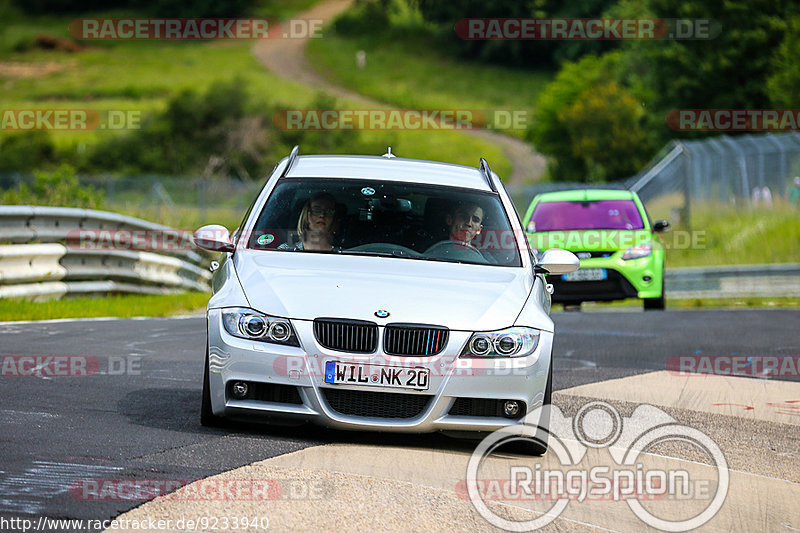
<point x="379" y="293"/>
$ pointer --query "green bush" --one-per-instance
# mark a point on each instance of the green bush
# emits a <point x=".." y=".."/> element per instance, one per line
<point x="59" y="188"/>
<point x="515" y="52"/>
<point x="26" y="151"/>
<point x="154" y="8"/>
<point x="206" y="134"/>
<point x="590" y="124"/>
<point x="784" y="83"/>
<point x="219" y="133"/>
<point x="366" y="17"/>
<point x="606" y="132"/>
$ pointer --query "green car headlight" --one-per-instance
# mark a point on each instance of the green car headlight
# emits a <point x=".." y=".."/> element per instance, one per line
<point x="511" y="342"/>
<point x="638" y="251"/>
<point x="249" y="324"/>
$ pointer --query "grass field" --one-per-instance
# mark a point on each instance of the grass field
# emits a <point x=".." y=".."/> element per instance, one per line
<point x="124" y="306"/>
<point x="141" y="76"/>
<point x="693" y="303"/>
<point x="404" y="68"/>
<point x="727" y="235"/>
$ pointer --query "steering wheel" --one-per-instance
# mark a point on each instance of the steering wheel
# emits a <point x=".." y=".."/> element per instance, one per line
<point x="456" y="250"/>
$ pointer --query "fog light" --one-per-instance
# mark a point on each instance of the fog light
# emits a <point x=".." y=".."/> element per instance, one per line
<point x="511" y="408"/>
<point x="239" y="390"/>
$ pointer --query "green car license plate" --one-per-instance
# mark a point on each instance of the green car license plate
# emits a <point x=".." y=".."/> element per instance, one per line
<point x="586" y="274"/>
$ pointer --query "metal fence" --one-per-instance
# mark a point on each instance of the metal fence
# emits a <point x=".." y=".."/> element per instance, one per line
<point x="144" y="193"/>
<point x="55" y="251"/>
<point x="742" y="170"/>
<point x="746" y="170"/>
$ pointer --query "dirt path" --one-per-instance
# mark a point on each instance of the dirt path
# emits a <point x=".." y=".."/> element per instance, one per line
<point x="287" y="59"/>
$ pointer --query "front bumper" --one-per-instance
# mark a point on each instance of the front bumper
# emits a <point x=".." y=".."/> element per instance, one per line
<point x="635" y="278"/>
<point x="462" y="395"/>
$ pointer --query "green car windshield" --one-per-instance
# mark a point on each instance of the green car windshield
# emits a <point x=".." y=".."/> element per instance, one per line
<point x="584" y="215"/>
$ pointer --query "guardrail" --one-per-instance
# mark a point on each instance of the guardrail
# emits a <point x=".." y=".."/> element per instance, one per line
<point x="59" y="250"/>
<point x="739" y="281"/>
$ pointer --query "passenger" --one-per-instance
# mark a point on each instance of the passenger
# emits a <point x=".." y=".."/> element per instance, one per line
<point x="465" y="222"/>
<point x="316" y="225"/>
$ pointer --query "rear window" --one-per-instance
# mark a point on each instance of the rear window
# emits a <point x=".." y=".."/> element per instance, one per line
<point x="597" y="214"/>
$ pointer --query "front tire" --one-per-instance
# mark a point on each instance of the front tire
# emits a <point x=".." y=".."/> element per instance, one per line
<point x="538" y="446"/>
<point x="207" y="416"/>
<point x="656" y="304"/>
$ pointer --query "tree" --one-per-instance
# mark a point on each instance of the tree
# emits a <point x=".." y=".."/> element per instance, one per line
<point x="783" y="86"/>
<point x="605" y="127"/>
<point x="725" y="72"/>
<point x="579" y="112"/>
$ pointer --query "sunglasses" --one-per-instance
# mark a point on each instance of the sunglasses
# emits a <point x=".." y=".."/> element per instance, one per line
<point x="326" y="212"/>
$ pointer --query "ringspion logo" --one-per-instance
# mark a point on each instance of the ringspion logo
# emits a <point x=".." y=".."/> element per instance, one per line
<point x="600" y="456"/>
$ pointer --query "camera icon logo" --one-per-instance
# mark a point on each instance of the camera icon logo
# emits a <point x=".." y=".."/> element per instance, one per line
<point x="601" y="455"/>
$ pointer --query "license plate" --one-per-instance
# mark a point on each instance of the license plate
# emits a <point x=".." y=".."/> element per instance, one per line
<point x="586" y="274"/>
<point x="338" y="372"/>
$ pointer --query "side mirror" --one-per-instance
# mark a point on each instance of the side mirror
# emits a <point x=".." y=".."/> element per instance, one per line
<point x="661" y="225"/>
<point x="213" y="237"/>
<point x="558" y="261"/>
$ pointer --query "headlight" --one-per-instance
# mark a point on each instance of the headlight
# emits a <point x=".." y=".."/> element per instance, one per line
<point x="637" y="251"/>
<point x="249" y="324"/>
<point x="511" y="342"/>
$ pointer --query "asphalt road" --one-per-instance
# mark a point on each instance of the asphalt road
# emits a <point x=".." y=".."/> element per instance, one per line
<point x="137" y="416"/>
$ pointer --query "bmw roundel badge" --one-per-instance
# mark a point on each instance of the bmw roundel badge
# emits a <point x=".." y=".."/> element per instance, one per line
<point x="381" y="313"/>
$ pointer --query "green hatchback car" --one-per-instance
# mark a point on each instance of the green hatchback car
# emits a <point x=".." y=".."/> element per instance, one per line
<point x="620" y="251"/>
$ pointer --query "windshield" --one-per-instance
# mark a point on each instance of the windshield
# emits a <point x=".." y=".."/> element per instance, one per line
<point x="597" y="214"/>
<point x="390" y="219"/>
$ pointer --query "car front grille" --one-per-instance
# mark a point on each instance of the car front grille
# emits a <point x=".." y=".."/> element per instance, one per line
<point x="355" y="336"/>
<point x="614" y="287"/>
<point x="410" y="339"/>
<point x="376" y="404"/>
<point x="593" y="254"/>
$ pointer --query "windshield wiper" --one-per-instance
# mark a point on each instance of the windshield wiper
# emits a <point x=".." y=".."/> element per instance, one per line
<point x="396" y="253"/>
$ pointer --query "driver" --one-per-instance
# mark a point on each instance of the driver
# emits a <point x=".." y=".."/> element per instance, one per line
<point x="465" y="222"/>
<point x="316" y="225"/>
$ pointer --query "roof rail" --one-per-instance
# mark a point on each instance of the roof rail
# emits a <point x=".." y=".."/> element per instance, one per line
<point x="487" y="173"/>
<point x="292" y="157"/>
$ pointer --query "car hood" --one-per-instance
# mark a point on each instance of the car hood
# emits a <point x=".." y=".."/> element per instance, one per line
<point x="309" y="285"/>
<point x="589" y="240"/>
